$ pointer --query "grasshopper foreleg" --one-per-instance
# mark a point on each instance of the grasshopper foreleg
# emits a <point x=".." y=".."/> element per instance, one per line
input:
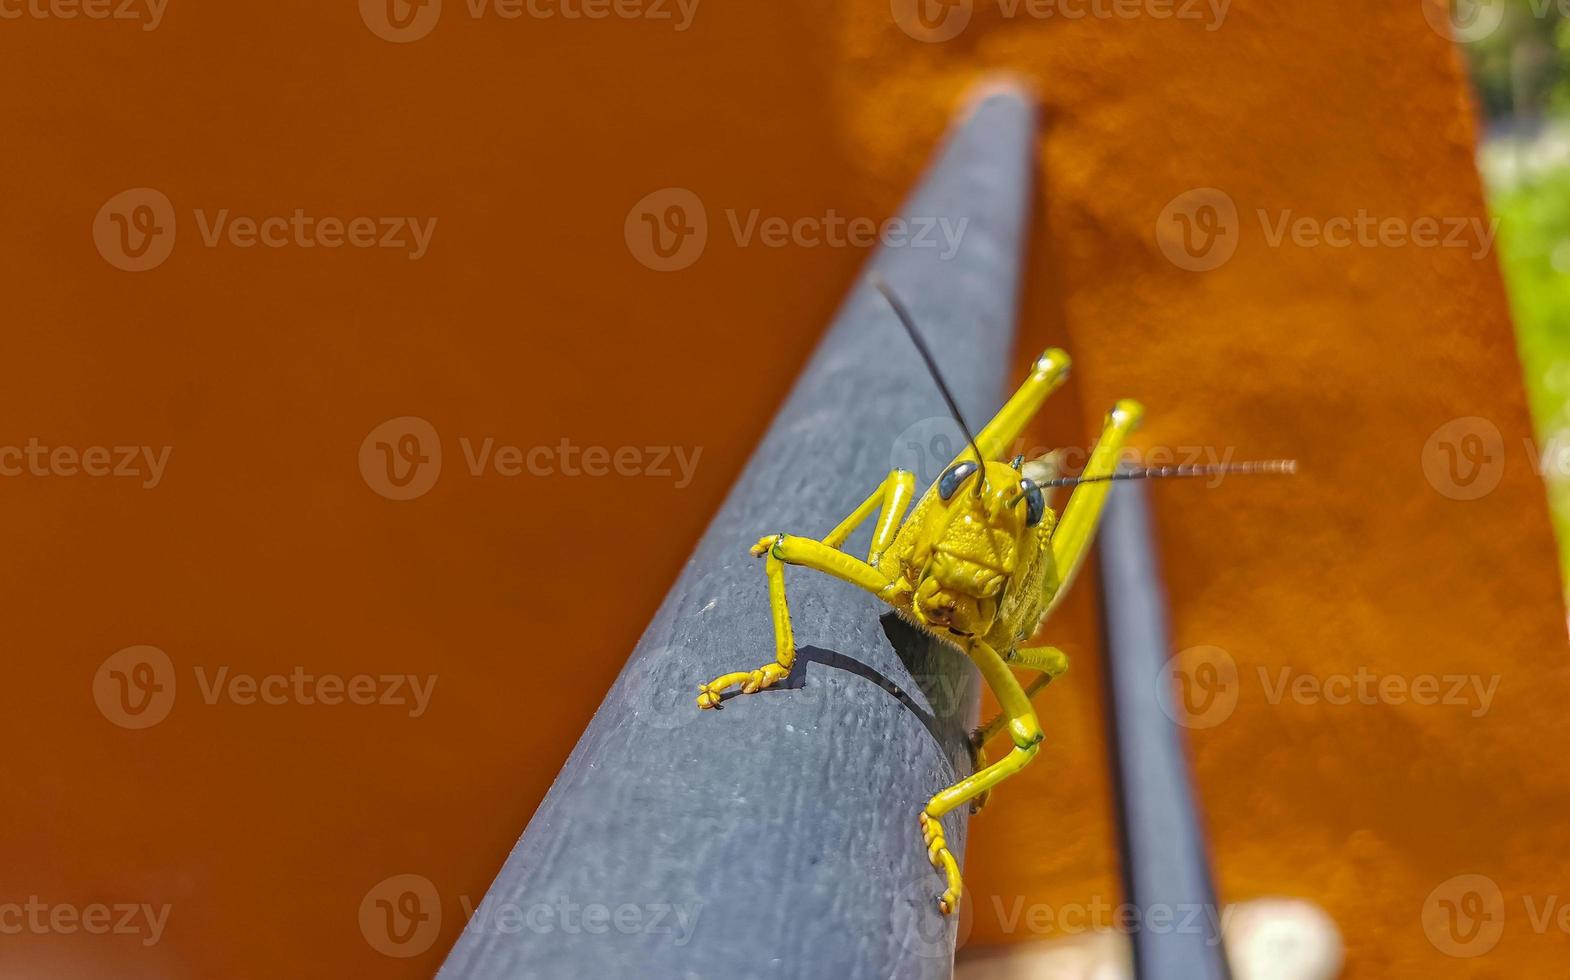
<point x="777" y="551"/>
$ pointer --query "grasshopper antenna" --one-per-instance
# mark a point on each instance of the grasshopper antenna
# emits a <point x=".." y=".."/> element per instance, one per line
<point x="1270" y="466"/>
<point x="909" y="324"/>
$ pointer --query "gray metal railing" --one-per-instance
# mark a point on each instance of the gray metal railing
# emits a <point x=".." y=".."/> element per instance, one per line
<point x="778" y="837"/>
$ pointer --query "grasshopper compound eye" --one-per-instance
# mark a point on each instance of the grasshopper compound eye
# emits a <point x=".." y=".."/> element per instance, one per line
<point x="1035" y="502"/>
<point x="949" y="482"/>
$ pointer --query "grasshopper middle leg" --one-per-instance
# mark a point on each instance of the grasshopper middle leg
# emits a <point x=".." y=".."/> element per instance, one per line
<point x="1027" y="735"/>
<point x="1052" y="663"/>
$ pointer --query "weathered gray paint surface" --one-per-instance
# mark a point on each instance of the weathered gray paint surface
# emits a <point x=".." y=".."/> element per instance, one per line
<point x="777" y="837"/>
<point x="1166" y="863"/>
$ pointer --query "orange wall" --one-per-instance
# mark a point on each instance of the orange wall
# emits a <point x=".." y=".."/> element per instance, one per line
<point x="529" y="320"/>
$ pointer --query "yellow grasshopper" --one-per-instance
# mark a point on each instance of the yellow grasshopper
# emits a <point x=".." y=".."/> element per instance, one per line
<point x="980" y="564"/>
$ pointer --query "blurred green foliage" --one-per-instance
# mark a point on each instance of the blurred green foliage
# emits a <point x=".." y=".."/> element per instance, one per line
<point x="1521" y="66"/>
<point x="1521" y="71"/>
<point x="1534" y="249"/>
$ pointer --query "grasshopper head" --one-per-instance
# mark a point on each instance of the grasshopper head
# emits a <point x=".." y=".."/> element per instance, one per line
<point x="971" y="541"/>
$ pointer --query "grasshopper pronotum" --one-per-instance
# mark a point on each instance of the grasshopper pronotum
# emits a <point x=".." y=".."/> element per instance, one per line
<point x="980" y="563"/>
